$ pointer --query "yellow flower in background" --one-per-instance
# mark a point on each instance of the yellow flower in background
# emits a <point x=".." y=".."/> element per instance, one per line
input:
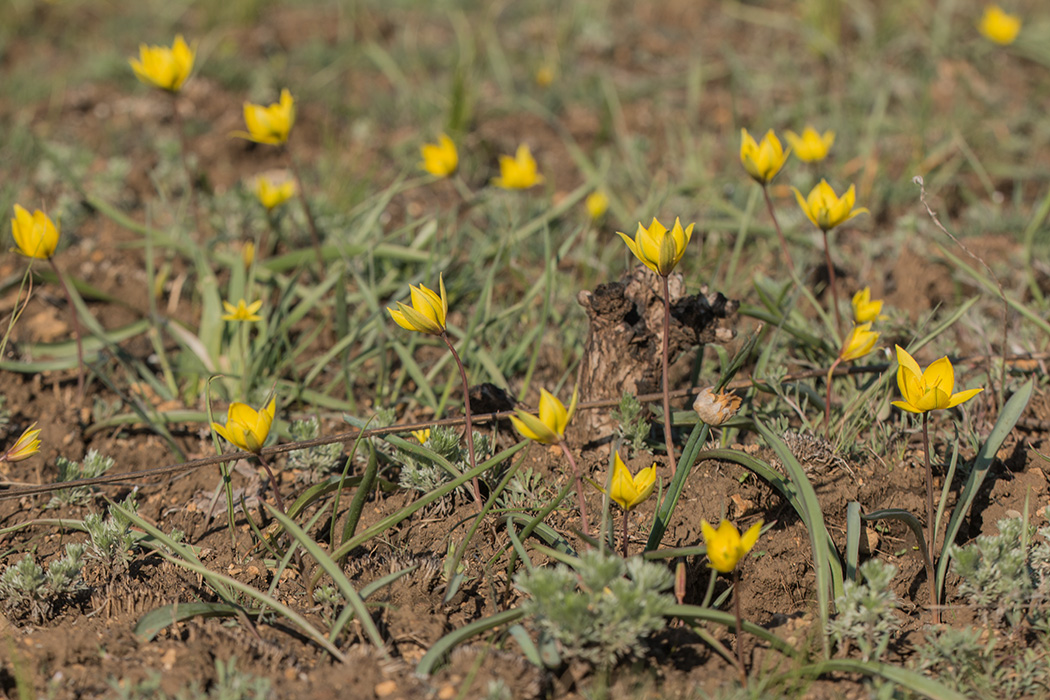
<point x="245" y="427"/>
<point x="864" y="307"/>
<point x="35" y="234"/>
<point x="762" y="160"/>
<point x="248" y="253"/>
<point x="273" y="194"/>
<point x="421" y="435"/>
<point x="517" y="172"/>
<point x="725" y="546"/>
<point x="243" y="311"/>
<point x="270" y="124"/>
<point x="163" y="67"/>
<point x="999" y="26"/>
<point x="427" y="312"/>
<point x="630" y="491"/>
<point x="27" y="445"/>
<point x="825" y="208"/>
<point x="810" y="146"/>
<point x="860" y="341"/>
<point x="659" y="249"/>
<point x="930" y="390"/>
<point x="597" y="203"/>
<point x="544" y="76"/>
<point x="440" y="159"/>
<point x="549" y="427"/>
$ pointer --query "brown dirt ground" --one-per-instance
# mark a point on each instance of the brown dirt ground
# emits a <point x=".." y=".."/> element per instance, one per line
<point x="91" y="641"/>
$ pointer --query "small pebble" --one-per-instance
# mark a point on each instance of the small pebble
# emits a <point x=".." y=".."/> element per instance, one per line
<point x="385" y="688"/>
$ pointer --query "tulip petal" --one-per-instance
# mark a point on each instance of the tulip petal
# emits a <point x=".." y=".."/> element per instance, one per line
<point x="963" y="397"/>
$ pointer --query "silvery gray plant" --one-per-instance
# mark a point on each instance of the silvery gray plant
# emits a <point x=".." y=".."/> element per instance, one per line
<point x="27" y="589"/>
<point x="865" y="611"/>
<point x="600" y="609"/>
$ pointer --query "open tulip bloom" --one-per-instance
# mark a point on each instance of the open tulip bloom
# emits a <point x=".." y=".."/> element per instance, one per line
<point x="762" y="160"/>
<point x="999" y="26"/>
<point x="810" y="146"/>
<point x="440" y="159"/>
<point x="725" y="548"/>
<point x="162" y="67"/>
<point x="427" y="312"/>
<point x="922" y="392"/>
<point x="548" y="428"/>
<point x="246" y="428"/>
<point x="865" y="308"/>
<point x="269" y="124"/>
<point x="629" y="491"/>
<point x="517" y="172"/>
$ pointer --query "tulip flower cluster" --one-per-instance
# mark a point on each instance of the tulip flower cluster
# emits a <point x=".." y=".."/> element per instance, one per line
<point x="517" y="172"/>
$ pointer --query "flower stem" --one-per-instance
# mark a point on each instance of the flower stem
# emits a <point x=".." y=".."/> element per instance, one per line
<point x="776" y="225"/>
<point x="466" y="411"/>
<point x="311" y="223"/>
<point x="831" y="285"/>
<point x="738" y="592"/>
<point x="930" y="532"/>
<point x="668" y="437"/>
<point x="827" y="401"/>
<point x="624" y="545"/>
<point x="184" y="149"/>
<point x="273" y="484"/>
<point x="76" y="327"/>
<point x="579" y="488"/>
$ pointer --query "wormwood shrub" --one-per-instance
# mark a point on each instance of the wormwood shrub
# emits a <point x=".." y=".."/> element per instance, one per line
<point x="1006" y="579"/>
<point x="319" y="459"/>
<point x="230" y="684"/>
<point x="419" y="473"/>
<point x="633" y="427"/>
<point x="26" y="589"/>
<point x="600" y="609"/>
<point x="866" y="611"/>
<point x="94" y="464"/>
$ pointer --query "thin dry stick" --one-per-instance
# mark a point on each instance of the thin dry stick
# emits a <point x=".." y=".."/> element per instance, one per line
<point x="780" y="234"/>
<point x="466" y="413"/>
<point x="353" y="435"/>
<point x="1002" y="294"/>
<point x="668" y="437"/>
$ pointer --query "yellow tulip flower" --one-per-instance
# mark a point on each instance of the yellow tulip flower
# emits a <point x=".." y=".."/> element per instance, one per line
<point x="246" y="428"/>
<point x="163" y="67"/>
<point x="27" y="445"/>
<point x="427" y="312"/>
<point x="421" y="435"/>
<point x="270" y="124"/>
<point x="860" y="341"/>
<point x="517" y="172"/>
<point x="440" y="159"/>
<point x="930" y="390"/>
<point x="597" y="203"/>
<point x="273" y="194"/>
<point x="810" y="146"/>
<point x="999" y="26"/>
<point x="826" y="209"/>
<point x="864" y="307"/>
<point x="762" y="160"/>
<point x="725" y="546"/>
<point x="549" y="427"/>
<point x="657" y="248"/>
<point x="243" y="311"/>
<point x="35" y="234"/>
<point x="630" y="491"/>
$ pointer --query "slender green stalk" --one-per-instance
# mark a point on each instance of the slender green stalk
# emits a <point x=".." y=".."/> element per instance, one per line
<point x="780" y="233"/>
<point x="76" y="328"/>
<point x="184" y="150"/>
<point x="579" y="489"/>
<point x="930" y="532"/>
<point x="668" y="437"/>
<point x="467" y="415"/>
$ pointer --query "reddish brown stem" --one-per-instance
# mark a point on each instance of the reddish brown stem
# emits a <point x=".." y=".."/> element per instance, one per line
<point x="827" y="401"/>
<point x="931" y="533"/>
<point x="780" y="234"/>
<point x="310" y="222"/>
<point x="579" y="488"/>
<point x="738" y="592"/>
<point x="668" y="437"/>
<point x="273" y="484"/>
<point x="831" y="285"/>
<point x="466" y="412"/>
<point x="624" y="545"/>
